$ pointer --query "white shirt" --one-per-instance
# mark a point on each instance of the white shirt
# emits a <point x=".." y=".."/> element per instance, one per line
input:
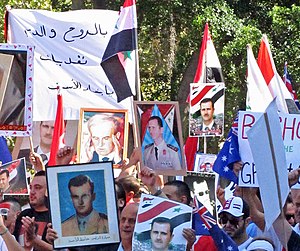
<point x="245" y="244"/>
<point x="3" y="246"/>
<point x="120" y="248"/>
<point x="297" y="228"/>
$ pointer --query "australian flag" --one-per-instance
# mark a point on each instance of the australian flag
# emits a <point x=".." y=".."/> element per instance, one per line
<point x="288" y="82"/>
<point x="5" y="155"/>
<point x="229" y="154"/>
<point x="221" y="239"/>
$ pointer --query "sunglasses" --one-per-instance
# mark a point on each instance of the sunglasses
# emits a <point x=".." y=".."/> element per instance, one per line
<point x="289" y="216"/>
<point x="232" y="221"/>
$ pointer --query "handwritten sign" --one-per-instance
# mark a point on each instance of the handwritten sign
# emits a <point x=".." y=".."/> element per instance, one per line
<point x="290" y="125"/>
<point x="68" y="51"/>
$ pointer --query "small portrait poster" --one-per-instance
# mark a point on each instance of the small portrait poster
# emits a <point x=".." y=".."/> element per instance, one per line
<point x="206" y="109"/>
<point x="159" y="134"/>
<point x="204" y="162"/>
<point x="203" y="186"/>
<point x="158" y="216"/>
<point x="103" y="135"/>
<point x="82" y="204"/>
<point x="13" y="178"/>
<point x="16" y="80"/>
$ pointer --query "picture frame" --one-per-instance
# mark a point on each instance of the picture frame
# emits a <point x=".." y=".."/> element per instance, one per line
<point x="162" y="149"/>
<point x="16" y="81"/>
<point x="204" y="162"/>
<point x="71" y="197"/>
<point x="95" y="129"/>
<point x="208" y="121"/>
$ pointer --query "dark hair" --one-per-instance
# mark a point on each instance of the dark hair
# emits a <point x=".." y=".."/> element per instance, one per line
<point x="182" y="189"/>
<point x="2" y="171"/>
<point x="162" y="220"/>
<point x="130" y="183"/>
<point x="80" y="180"/>
<point x="206" y="100"/>
<point x="158" y="119"/>
<point x="246" y="209"/>
<point x="120" y="193"/>
<point x="40" y="173"/>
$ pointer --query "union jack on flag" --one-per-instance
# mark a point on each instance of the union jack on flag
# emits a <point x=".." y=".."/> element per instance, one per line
<point x="221" y="239"/>
<point x="288" y="82"/>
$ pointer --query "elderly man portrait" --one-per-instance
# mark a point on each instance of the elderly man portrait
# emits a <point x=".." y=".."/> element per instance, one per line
<point x="103" y="143"/>
<point x="160" y="154"/>
<point x="86" y="220"/>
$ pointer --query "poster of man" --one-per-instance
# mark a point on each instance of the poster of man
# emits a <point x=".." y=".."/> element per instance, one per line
<point x="83" y="207"/>
<point x="206" y="109"/>
<point x="160" y="223"/>
<point x="103" y="135"/>
<point x="15" y="84"/>
<point x="42" y="140"/>
<point x="159" y="134"/>
<point x="13" y="178"/>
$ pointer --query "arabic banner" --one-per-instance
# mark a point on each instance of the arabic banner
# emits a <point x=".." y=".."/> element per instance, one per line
<point x="68" y="52"/>
<point x="290" y="126"/>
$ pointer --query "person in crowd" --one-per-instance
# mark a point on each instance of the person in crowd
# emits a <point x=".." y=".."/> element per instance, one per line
<point x="296" y="200"/>
<point x="87" y="220"/>
<point x="121" y="197"/>
<point x="131" y="186"/>
<point x="103" y="144"/>
<point x="159" y="154"/>
<point x="234" y="218"/>
<point x="10" y="208"/>
<point x="30" y="229"/>
<point x="260" y="243"/>
<point x="290" y="210"/>
<point x="44" y="147"/>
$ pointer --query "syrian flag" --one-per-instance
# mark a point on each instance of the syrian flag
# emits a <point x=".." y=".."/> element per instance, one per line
<point x="151" y="207"/>
<point x="208" y="71"/>
<point x="258" y="94"/>
<point x="284" y="101"/>
<point x="58" y="140"/>
<point x="221" y="239"/>
<point x="288" y="83"/>
<point x="119" y="59"/>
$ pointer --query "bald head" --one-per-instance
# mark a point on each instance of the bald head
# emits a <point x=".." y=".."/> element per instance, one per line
<point x="127" y="222"/>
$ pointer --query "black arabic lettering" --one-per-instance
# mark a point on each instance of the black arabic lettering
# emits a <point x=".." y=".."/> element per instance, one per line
<point x="54" y="33"/>
<point x="107" y="91"/>
<point x="70" y="30"/>
<point x="104" y="33"/>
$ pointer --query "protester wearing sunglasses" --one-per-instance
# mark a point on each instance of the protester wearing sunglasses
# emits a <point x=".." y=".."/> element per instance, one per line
<point x="234" y="219"/>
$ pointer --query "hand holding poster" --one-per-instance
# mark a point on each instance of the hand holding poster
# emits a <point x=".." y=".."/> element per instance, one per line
<point x="156" y="216"/>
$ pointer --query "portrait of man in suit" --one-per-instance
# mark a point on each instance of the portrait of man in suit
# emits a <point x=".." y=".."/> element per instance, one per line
<point x="86" y="220"/>
<point x="44" y="146"/>
<point x="208" y="126"/>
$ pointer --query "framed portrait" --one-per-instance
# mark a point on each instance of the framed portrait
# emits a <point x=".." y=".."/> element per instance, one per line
<point x="14" y="178"/>
<point x="203" y="186"/>
<point x="16" y="78"/>
<point x="159" y="135"/>
<point x="204" y="162"/>
<point x="158" y="215"/>
<point x="206" y="109"/>
<point x="102" y="135"/>
<point x="83" y="204"/>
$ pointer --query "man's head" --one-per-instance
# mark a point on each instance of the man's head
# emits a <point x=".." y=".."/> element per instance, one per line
<point x="4" y="179"/>
<point x="207" y="110"/>
<point x="178" y="191"/>
<point x="161" y="233"/>
<point x="155" y="128"/>
<point x="104" y="130"/>
<point x="261" y="244"/>
<point x="82" y="193"/>
<point x="127" y="222"/>
<point x="296" y="200"/>
<point x="10" y="209"/>
<point x="38" y="188"/>
<point x="234" y="218"/>
<point x="46" y="133"/>
<point x="290" y="211"/>
<point x="131" y="186"/>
